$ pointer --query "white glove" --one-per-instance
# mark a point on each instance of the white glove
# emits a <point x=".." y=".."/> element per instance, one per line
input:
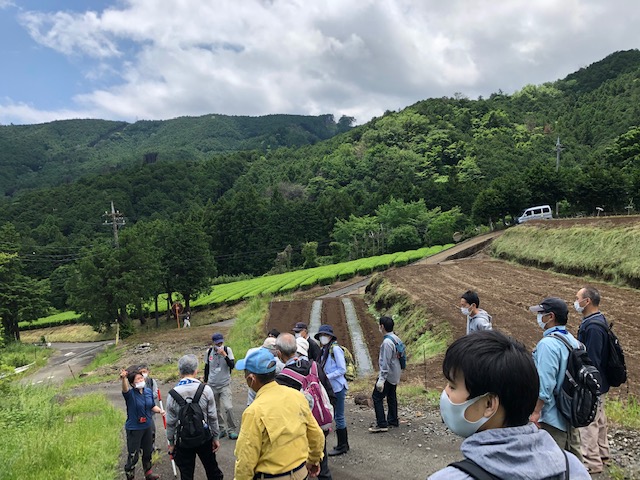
<point x="380" y="385"/>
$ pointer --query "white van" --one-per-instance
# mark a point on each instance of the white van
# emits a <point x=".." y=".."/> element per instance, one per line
<point x="543" y="212"/>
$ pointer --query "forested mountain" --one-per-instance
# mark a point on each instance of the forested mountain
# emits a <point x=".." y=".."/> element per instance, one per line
<point x="33" y="156"/>
<point x="403" y="180"/>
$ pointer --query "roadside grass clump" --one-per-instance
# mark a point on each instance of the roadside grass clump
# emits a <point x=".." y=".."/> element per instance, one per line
<point x="423" y="338"/>
<point x="76" y="332"/>
<point x="624" y="412"/>
<point x="248" y="330"/>
<point x="599" y="252"/>
<point x="18" y="354"/>
<point x="47" y="436"/>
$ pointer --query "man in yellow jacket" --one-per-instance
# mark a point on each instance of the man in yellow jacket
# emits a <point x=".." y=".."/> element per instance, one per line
<point x="279" y="437"/>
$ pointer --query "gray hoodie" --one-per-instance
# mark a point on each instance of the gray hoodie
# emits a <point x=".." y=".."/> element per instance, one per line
<point x="516" y="453"/>
<point x="480" y="321"/>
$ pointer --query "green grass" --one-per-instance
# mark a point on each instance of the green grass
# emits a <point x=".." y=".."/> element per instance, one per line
<point x="19" y="354"/>
<point x="248" y="329"/>
<point x="47" y="436"/>
<point x="624" y="412"/>
<point x="599" y="252"/>
<point x="61" y="318"/>
<point x="109" y="356"/>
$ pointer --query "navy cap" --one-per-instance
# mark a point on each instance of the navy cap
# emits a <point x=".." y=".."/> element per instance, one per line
<point x="552" y="304"/>
<point x="217" y="337"/>
<point x="298" y="327"/>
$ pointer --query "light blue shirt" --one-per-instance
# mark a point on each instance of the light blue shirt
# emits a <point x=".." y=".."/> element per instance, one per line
<point x="336" y="368"/>
<point x="550" y="357"/>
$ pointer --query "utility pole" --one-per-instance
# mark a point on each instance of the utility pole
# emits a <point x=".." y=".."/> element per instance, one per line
<point x="559" y="148"/>
<point x="116" y="219"/>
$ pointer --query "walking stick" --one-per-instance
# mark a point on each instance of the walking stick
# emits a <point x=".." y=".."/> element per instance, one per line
<point x="164" y="421"/>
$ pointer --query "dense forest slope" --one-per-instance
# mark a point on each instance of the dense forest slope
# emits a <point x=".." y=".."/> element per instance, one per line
<point x="44" y="155"/>
<point x="403" y="180"/>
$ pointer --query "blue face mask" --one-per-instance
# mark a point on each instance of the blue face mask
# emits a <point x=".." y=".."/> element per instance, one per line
<point x="453" y="415"/>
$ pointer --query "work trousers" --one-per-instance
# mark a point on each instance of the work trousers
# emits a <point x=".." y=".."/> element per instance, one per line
<point x="594" y="442"/>
<point x="389" y="391"/>
<point x="139" y="440"/>
<point x="569" y="440"/>
<point x="224" y="407"/>
<point x="185" y="459"/>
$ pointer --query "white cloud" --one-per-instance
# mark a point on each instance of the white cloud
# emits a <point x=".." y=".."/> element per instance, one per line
<point x="358" y="57"/>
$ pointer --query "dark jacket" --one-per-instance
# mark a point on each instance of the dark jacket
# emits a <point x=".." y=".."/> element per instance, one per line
<point x="303" y="366"/>
<point x="593" y="333"/>
<point x="314" y="350"/>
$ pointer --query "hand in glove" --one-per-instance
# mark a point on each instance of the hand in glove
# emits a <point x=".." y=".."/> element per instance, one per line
<point x="380" y="385"/>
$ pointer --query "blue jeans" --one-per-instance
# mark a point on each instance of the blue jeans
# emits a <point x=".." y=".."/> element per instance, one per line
<point x="339" y="411"/>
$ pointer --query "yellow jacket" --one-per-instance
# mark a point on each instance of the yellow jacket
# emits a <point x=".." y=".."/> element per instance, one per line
<point x="278" y="433"/>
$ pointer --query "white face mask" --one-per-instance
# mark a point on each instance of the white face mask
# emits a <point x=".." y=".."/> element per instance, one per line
<point x="297" y="334"/>
<point x="577" y="306"/>
<point x="145" y="375"/>
<point x="541" y="324"/>
<point x="453" y="415"/>
<point x="139" y="385"/>
<point x="465" y="311"/>
<point x="324" y="340"/>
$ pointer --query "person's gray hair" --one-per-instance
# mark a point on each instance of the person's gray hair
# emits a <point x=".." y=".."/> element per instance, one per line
<point x="286" y="343"/>
<point x="592" y="294"/>
<point x="188" y="364"/>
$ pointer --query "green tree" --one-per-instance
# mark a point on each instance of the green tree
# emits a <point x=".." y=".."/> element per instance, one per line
<point x="22" y="298"/>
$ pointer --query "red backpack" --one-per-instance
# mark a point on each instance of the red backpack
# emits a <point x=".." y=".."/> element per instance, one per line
<point x="315" y="393"/>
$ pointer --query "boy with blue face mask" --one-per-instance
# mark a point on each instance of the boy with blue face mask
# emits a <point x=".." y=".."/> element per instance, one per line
<point x="492" y="388"/>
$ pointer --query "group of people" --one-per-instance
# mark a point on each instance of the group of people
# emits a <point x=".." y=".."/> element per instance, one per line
<point x="498" y="396"/>
<point x="279" y="436"/>
<point x="503" y="399"/>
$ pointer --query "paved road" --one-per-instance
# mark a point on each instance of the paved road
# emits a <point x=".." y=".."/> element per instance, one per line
<point x="69" y="360"/>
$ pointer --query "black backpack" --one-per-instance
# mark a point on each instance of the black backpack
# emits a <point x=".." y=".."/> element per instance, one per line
<point x="577" y="399"/>
<point x="616" y="368"/>
<point x="475" y="471"/>
<point x="192" y="430"/>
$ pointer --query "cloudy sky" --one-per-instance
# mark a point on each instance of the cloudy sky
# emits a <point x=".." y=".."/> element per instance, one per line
<point x="158" y="59"/>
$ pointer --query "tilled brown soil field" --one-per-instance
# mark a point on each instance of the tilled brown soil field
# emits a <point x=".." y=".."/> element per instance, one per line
<point x="506" y="291"/>
<point x="602" y="222"/>
<point x="283" y="315"/>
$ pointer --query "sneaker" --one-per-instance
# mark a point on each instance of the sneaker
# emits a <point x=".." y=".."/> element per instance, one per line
<point x="377" y="429"/>
<point x="233" y="436"/>
<point x="222" y="434"/>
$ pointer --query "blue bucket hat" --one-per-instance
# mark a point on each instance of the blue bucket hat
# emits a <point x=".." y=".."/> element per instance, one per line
<point x="217" y="337"/>
<point x="325" y="330"/>
<point x="261" y="361"/>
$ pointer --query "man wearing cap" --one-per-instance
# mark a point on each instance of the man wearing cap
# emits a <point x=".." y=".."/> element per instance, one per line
<point x="593" y="333"/>
<point x="279" y="437"/>
<point x="217" y="374"/>
<point x="551" y="357"/>
<point x="293" y="353"/>
<point x="301" y="330"/>
<point x="270" y="344"/>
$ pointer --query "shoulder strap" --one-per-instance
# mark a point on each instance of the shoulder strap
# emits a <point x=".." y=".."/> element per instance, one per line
<point x="298" y="377"/>
<point x="563" y="340"/>
<point x="566" y="461"/>
<point x="209" y="353"/>
<point x="393" y="340"/>
<point x="177" y="397"/>
<point x="196" y="397"/>
<point x="314" y="368"/>
<point x="474" y="470"/>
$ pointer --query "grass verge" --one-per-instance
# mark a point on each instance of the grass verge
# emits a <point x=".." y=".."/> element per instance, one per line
<point x="248" y="329"/>
<point x="47" y="436"/>
<point x="624" y="412"/>
<point x="19" y="354"/>
<point x="600" y="252"/>
<point x="424" y="339"/>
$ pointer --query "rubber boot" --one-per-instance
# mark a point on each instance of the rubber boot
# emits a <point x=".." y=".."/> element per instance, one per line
<point x="130" y="475"/>
<point x="343" y="443"/>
